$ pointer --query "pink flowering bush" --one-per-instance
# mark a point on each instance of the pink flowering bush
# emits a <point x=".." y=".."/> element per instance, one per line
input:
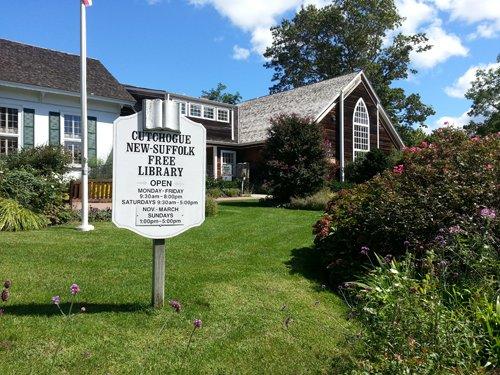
<point x="445" y="181"/>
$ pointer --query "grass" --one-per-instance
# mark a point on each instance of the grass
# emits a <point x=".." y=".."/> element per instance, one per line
<point x="242" y="273"/>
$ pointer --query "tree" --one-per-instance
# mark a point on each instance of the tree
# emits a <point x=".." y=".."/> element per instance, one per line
<point x="347" y="36"/>
<point x="485" y="96"/>
<point x="295" y="157"/>
<point x="219" y="95"/>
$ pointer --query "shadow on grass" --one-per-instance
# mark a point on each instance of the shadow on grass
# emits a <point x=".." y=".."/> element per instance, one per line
<point x="244" y="204"/>
<point x="306" y="261"/>
<point x="39" y="309"/>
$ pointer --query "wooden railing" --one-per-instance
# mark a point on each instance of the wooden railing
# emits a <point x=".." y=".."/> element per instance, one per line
<point x="99" y="191"/>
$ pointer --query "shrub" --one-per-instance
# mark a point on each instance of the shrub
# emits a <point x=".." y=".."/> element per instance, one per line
<point x="101" y="169"/>
<point x="437" y="186"/>
<point x="337" y="186"/>
<point x="212" y="183"/>
<point x="211" y="207"/>
<point x="46" y="160"/>
<point x="14" y="217"/>
<point x="295" y="158"/>
<point x="363" y="169"/>
<point x="317" y="201"/>
<point x="36" y="192"/>
<point x="419" y="324"/>
<point x="231" y="192"/>
<point x="215" y="192"/>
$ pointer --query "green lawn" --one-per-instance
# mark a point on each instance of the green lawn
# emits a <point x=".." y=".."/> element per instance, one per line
<point x="242" y="273"/>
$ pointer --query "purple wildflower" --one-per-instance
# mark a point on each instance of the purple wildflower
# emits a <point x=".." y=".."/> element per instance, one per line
<point x="388" y="258"/>
<point x="56" y="300"/>
<point x="75" y="289"/>
<point x="175" y="305"/>
<point x="406" y="244"/>
<point x="364" y="250"/>
<point x="1" y="312"/>
<point x="197" y="323"/>
<point x="7" y="284"/>
<point x="440" y="240"/>
<point x="488" y="213"/>
<point x="455" y="229"/>
<point x="5" y="295"/>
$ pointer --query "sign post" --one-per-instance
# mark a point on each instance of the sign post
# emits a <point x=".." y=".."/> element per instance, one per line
<point x="159" y="162"/>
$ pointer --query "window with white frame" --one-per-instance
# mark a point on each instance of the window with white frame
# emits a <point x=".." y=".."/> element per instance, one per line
<point x="9" y="130"/>
<point x="208" y="112"/>
<point x="195" y="110"/>
<point x="73" y="137"/>
<point x="223" y="114"/>
<point x="182" y="108"/>
<point x="361" y="129"/>
<point x="228" y="164"/>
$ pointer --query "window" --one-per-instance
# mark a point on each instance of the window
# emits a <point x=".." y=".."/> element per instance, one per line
<point x="182" y="108"/>
<point x="195" y="110"/>
<point x="209" y="112"/>
<point x="228" y="164"/>
<point x="223" y="115"/>
<point x="73" y="137"/>
<point x="9" y="130"/>
<point x="361" y="129"/>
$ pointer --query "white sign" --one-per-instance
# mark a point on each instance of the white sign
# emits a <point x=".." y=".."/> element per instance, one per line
<point x="158" y="177"/>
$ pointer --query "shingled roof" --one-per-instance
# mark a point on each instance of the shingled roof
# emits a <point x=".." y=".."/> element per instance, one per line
<point x="29" y="65"/>
<point x="309" y="101"/>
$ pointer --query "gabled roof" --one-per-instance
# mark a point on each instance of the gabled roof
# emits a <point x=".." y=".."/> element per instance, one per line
<point x="308" y="101"/>
<point x="34" y="66"/>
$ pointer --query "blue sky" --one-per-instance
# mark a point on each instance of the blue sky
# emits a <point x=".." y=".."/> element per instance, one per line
<point x="186" y="46"/>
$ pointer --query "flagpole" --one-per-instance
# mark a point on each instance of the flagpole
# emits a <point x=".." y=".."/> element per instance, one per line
<point x="84" y="227"/>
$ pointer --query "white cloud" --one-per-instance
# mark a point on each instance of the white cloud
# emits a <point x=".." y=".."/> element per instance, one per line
<point x="240" y="53"/>
<point x="463" y="83"/>
<point x="153" y="2"/>
<point x="255" y="16"/>
<point x="444" y="45"/>
<point x="484" y="12"/>
<point x="451" y="121"/>
<point x="416" y="13"/>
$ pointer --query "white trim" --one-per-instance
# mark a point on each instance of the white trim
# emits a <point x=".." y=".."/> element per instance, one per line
<point x="214" y="112"/>
<point x="20" y="124"/>
<point x="201" y="110"/>
<point x="232" y="125"/>
<point x="341" y="148"/>
<point x="378" y="128"/>
<point x="231" y="152"/>
<point x="224" y="110"/>
<point x="62" y="92"/>
<point x="354" y="149"/>
<point x="215" y="157"/>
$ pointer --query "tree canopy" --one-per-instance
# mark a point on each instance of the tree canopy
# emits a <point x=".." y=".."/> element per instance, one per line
<point x="219" y="95"/>
<point x="347" y="36"/>
<point x="485" y="96"/>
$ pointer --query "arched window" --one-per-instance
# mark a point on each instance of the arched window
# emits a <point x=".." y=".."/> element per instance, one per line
<point x="360" y="129"/>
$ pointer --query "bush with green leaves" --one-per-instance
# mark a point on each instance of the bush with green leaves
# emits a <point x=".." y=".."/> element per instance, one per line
<point x="417" y="323"/>
<point x="317" y="201"/>
<point x="368" y="166"/>
<point x="14" y="217"/>
<point x="45" y="160"/>
<point x="211" y="207"/>
<point x="444" y="182"/>
<point x="36" y="192"/>
<point x="295" y="157"/>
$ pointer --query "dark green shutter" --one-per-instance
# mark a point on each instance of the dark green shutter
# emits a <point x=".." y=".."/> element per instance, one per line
<point x="28" y="128"/>
<point x="92" y="139"/>
<point x="54" y="129"/>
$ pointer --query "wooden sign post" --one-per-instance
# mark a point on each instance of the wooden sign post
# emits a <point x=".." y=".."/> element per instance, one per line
<point x="159" y="162"/>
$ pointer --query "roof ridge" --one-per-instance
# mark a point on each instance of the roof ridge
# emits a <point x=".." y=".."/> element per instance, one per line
<point x="296" y="88"/>
<point x="45" y="48"/>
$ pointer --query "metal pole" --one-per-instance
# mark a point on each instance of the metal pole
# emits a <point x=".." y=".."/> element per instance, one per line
<point x="85" y="227"/>
<point x="158" y="298"/>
